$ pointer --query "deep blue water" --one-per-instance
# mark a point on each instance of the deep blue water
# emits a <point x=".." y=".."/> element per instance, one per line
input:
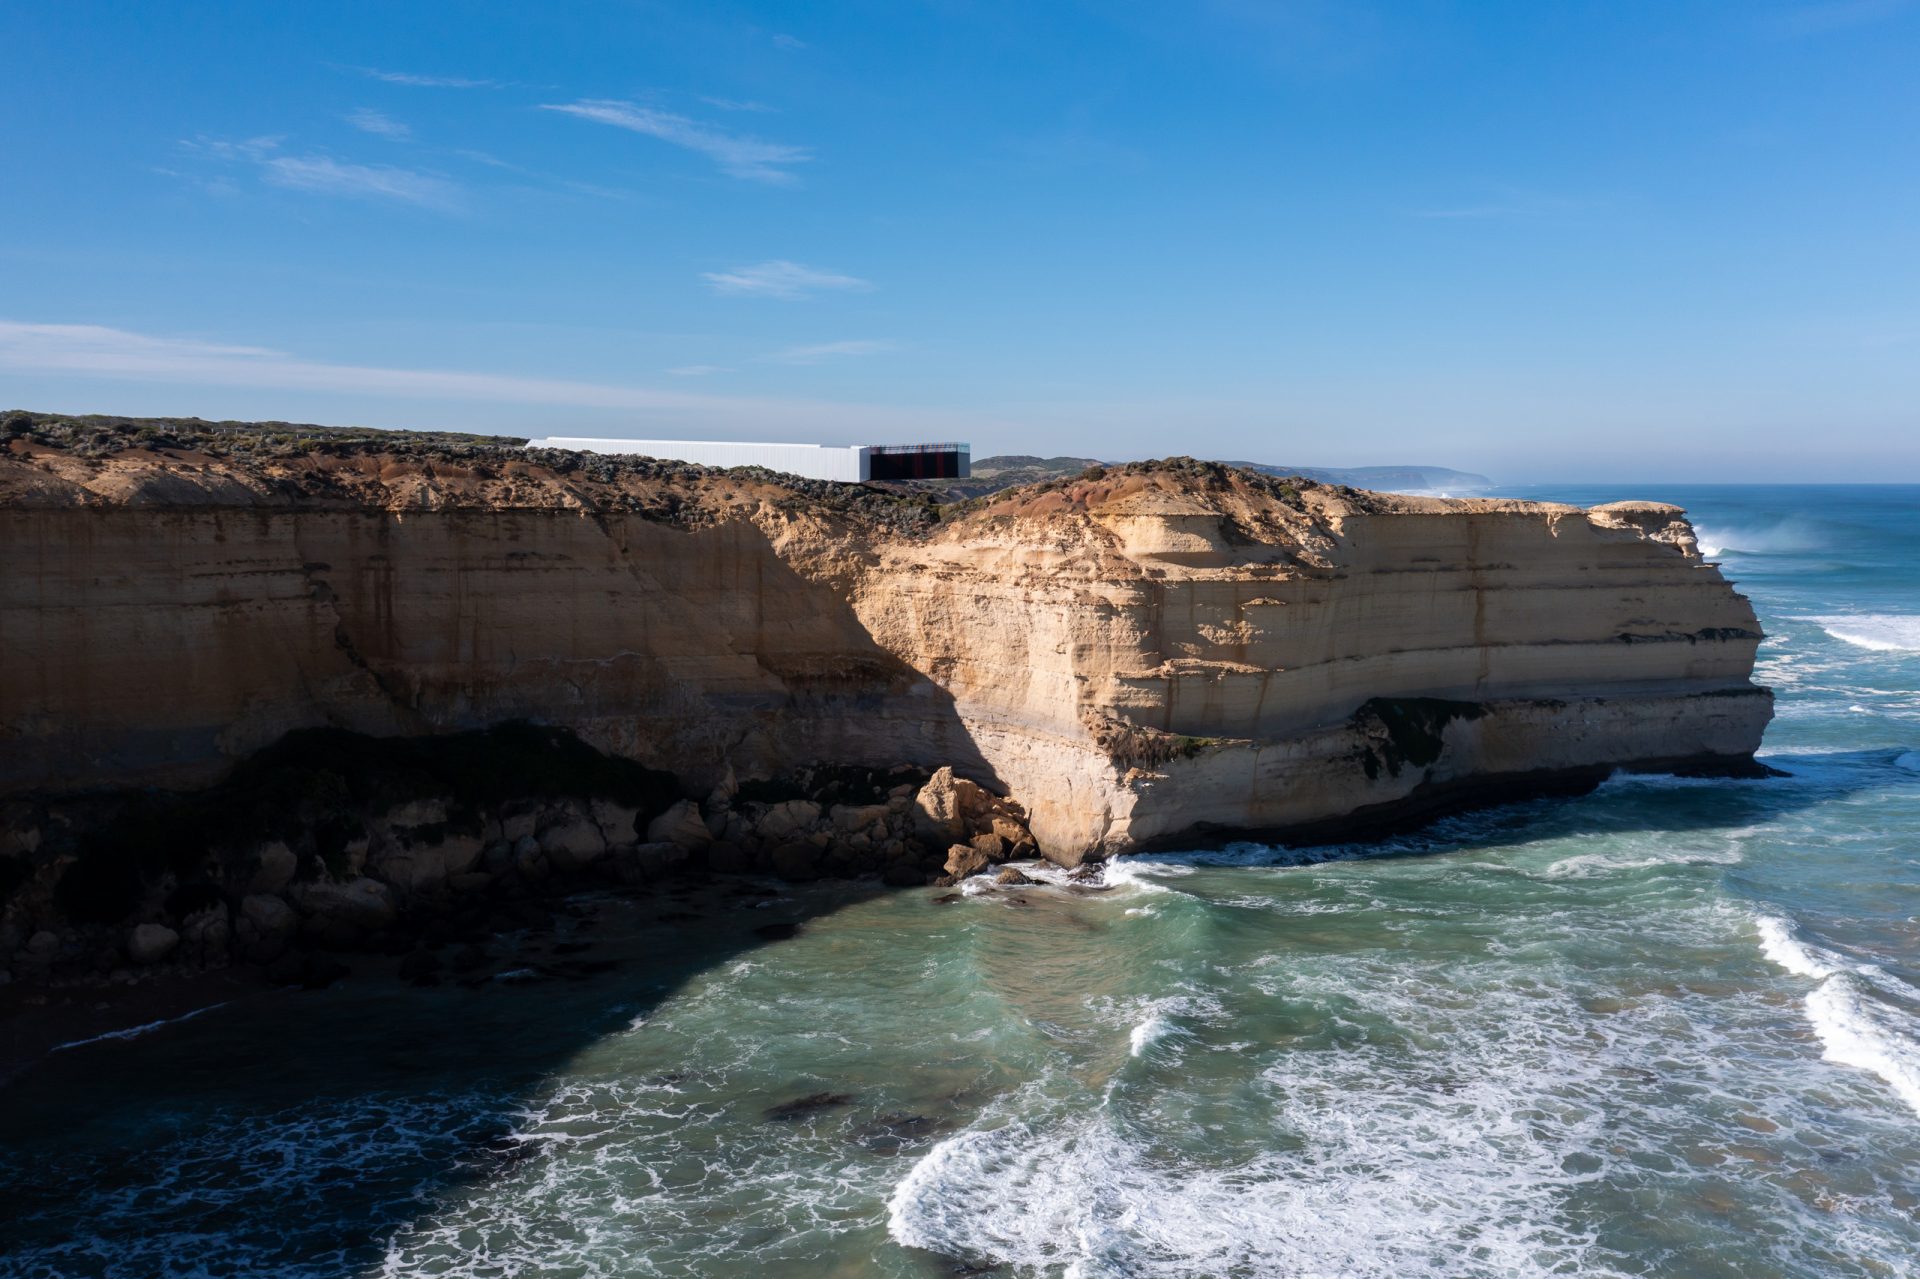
<point x="1668" y="1029"/>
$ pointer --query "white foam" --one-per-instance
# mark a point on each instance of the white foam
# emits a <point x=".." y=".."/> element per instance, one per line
<point x="1778" y="943"/>
<point x="1144" y="1035"/>
<point x="1129" y="872"/>
<point x="1377" y="1189"/>
<point x="134" y="1032"/>
<point x="1866" y="1033"/>
<point x="1587" y="865"/>
<point x="1855" y="1028"/>
<point x="1880" y="632"/>
<point x="1785" y="538"/>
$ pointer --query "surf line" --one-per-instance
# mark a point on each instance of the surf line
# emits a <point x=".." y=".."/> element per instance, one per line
<point x="134" y="1032"/>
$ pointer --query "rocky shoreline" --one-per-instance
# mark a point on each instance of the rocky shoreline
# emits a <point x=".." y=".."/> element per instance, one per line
<point x="334" y="844"/>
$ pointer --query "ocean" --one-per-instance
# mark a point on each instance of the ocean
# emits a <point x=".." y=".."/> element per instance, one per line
<point x="1668" y="1029"/>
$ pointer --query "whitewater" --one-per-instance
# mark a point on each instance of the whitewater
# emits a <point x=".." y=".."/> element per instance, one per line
<point x="1671" y="1028"/>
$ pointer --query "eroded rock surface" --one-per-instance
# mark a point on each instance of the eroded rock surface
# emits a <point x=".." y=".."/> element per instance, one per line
<point x="1143" y="653"/>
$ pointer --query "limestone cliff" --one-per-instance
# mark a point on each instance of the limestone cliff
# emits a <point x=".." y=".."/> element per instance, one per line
<point x="1139" y="654"/>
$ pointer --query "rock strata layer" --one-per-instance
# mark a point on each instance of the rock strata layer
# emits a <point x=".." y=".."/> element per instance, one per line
<point x="1141" y="654"/>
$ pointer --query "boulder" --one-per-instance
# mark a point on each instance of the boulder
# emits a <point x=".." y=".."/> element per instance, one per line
<point x="1008" y="829"/>
<point x="517" y="826"/>
<point x="573" y="843"/>
<point x="851" y="818"/>
<point x="787" y="821"/>
<point x="992" y="847"/>
<point x="1011" y="877"/>
<point x="428" y="865"/>
<point x="151" y="943"/>
<point x="363" y="905"/>
<point x="274" y="865"/>
<point x="721" y="796"/>
<point x="18" y="836"/>
<point x="264" y="927"/>
<point x="945" y="806"/>
<point x="965" y="859"/>
<point x="204" y="936"/>
<point x="529" y="861"/>
<point x="681" y="824"/>
<point x="659" y="859"/>
<point x="415" y="812"/>
<point x="618" y="824"/>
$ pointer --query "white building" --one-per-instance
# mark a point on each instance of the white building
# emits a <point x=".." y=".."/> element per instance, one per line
<point x="848" y="463"/>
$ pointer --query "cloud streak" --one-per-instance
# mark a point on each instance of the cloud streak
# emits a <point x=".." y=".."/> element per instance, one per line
<point x="427" y="81"/>
<point x="736" y="154"/>
<point x="818" y="351"/>
<point x="378" y="123"/>
<point x="328" y="176"/>
<point x="325" y="175"/>
<point x="780" y="279"/>
<point x="97" y="352"/>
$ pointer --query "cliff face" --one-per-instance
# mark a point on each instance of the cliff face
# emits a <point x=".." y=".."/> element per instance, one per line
<point x="1135" y="655"/>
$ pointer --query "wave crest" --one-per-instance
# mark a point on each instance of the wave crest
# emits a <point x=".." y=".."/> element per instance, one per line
<point x="1879" y="632"/>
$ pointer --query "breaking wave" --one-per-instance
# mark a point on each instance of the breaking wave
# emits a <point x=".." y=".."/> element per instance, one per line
<point x="1853" y="1009"/>
<point x="1880" y="632"/>
<point x="1789" y="537"/>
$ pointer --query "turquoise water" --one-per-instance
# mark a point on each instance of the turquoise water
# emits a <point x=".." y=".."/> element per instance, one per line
<point x="1672" y="1028"/>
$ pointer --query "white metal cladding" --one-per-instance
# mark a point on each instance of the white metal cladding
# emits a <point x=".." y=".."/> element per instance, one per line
<point x="845" y="462"/>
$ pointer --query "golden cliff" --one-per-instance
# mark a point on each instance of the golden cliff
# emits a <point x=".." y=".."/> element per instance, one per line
<point x="1142" y="654"/>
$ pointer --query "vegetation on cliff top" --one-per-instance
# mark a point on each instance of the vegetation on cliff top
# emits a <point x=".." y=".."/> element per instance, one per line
<point x="295" y="458"/>
<point x="267" y="449"/>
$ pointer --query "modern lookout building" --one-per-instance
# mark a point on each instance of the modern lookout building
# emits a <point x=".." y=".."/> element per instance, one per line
<point x="848" y="463"/>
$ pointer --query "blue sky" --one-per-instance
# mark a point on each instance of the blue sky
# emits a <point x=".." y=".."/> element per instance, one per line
<point x="1619" y="239"/>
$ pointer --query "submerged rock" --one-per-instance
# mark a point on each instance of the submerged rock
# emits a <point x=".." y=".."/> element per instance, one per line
<point x="892" y="1133"/>
<point x="811" y="1104"/>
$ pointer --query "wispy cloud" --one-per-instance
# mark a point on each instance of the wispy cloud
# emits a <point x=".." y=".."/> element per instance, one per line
<point x="427" y="81"/>
<point x="733" y="104"/>
<point x="818" y="351"/>
<point x="328" y="176"/>
<point x="785" y="41"/>
<point x="94" y="351"/>
<point x="367" y="120"/>
<point x="362" y="181"/>
<point x="1832" y="15"/>
<point x="698" y="370"/>
<point x="779" y="279"/>
<point x="234" y="149"/>
<point x="737" y="154"/>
